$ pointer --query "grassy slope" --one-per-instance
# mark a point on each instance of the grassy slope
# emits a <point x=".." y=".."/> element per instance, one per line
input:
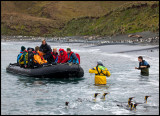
<point x="17" y="20"/>
<point x="47" y="18"/>
<point x="131" y="18"/>
<point x="40" y="18"/>
<point x="63" y="9"/>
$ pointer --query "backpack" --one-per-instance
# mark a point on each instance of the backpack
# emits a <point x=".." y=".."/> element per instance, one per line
<point x="103" y="70"/>
<point x="78" y="56"/>
<point x="19" y="55"/>
<point x="21" y="61"/>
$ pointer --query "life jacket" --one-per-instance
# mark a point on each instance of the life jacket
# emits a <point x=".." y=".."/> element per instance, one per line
<point x="33" y="51"/>
<point x="40" y="54"/>
<point x="70" y="55"/>
<point x="142" y="64"/>
<point x="38" y="59"/>
<point x="54" y="55"/>
<point x="78" y="56"/>
<point x="21" y="59"/>
<point x="103" y="70"/>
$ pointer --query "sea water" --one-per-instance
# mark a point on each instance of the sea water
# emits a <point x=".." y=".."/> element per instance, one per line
<point x="27" y="95"/>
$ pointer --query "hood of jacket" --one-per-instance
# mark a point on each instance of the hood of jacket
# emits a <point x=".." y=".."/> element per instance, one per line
<point x="64" y="52"/>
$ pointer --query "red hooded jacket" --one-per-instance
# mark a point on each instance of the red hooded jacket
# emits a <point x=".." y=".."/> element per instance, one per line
<point x="63" y="58"/>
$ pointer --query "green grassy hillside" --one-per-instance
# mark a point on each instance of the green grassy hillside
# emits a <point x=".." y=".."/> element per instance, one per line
<point x="130" y="18"/>
<point x="67" y="18"/>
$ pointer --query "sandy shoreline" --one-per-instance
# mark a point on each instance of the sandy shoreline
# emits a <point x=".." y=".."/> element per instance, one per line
<point x="128" y="49"/>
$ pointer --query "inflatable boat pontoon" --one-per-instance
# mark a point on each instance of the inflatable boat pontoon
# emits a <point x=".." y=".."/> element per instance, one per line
<point x="49" y="71"/>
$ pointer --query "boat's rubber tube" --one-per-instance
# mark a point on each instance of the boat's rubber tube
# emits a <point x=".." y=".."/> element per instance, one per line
<point x="58" y="70"/>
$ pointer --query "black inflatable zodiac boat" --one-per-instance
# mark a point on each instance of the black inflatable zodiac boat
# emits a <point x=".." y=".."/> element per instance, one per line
<point x="49" y="71"/>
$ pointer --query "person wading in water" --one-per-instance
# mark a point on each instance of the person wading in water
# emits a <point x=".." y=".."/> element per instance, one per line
<point x="143" y="66"/>
<point x="100" y="73"/>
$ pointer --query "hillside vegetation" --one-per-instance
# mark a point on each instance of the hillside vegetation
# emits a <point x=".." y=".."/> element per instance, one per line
<point x="68" y="18"/>
<point x="137" y="17"/>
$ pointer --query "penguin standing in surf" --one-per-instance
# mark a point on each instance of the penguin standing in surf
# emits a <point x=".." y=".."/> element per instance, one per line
<point x="104" y="94"/>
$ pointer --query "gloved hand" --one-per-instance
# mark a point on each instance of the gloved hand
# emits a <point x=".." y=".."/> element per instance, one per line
<point x="70" y="64"/>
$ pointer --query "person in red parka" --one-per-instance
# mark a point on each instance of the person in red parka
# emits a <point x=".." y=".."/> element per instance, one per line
<point x="63" y="57"/>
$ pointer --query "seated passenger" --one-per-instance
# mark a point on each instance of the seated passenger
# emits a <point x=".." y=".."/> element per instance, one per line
<point x="55" y="55"/>
<point x="21" y="52"/>
<point x="29" y="48"/>
<point x="22" y="58"/>
<point x="72" y="56"/>
<point x="38" y="60"/>
<point x="30" y="57"/>
<point x="62" y="58"/>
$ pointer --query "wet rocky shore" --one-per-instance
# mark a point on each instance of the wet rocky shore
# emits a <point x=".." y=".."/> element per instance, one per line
<point x="136" y="38"/>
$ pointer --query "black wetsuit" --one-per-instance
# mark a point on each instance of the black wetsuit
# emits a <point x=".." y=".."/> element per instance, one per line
<point x="47" y="50"/>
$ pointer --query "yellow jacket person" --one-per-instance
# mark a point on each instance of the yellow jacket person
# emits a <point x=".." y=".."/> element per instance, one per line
<point x="100" y="73"/>
<point x="38" y="57"/>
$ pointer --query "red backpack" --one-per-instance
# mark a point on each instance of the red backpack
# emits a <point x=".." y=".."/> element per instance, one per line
<point x="78" y="56"/>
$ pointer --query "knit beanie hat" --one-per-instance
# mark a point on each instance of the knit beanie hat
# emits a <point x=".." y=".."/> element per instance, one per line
<point x="23" y="48"/>
<point x="68" y="49"/>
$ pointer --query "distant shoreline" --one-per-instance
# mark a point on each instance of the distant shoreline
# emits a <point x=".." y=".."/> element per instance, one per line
<point x="152" y="48"/>
<point x="146" y="38"/>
